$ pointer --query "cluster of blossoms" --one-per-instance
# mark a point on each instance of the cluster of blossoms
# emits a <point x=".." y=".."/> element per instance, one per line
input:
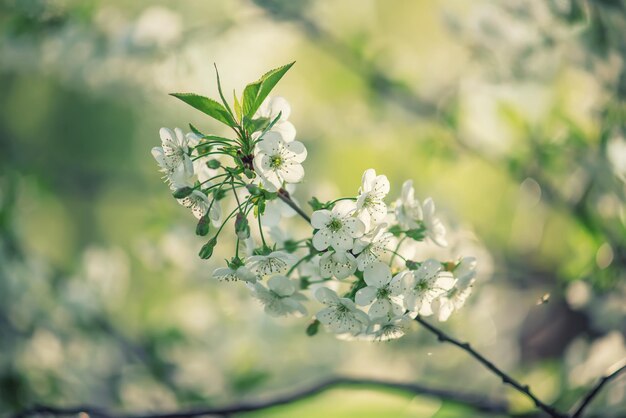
<point x="350" y="262"/>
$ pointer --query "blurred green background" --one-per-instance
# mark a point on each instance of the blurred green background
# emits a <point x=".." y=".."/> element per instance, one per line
<point x="511" y="115"/>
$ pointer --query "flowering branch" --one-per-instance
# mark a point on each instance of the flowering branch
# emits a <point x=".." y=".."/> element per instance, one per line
<point x="525" y="389"/>
<point x="578" y="411"/>
<point x="477" y="402"/>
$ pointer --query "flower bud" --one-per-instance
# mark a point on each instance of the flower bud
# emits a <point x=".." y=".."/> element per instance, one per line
<point x="213" y="164"/>
<point x="242" y="229"/>
<point x="207" y="249"/>
<point x="203" y="226"/>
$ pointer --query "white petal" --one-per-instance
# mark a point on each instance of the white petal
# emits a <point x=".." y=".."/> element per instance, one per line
<point x="280" y="105"/>
<point x="292" y="173"/>
<point x="297" y="150"/>
<point x="378" y="274"/>
<point x="286" y="130"/>
<point x="380" y="308"/>
<point x="327" y="316"/>
<point x="326" y="296"/>
<point x="355" y="227"/>
<point x="281" y="285"/>
<point x="365" y="296"/>
<point x="320" y="218"/>
<point x="340" y="240"/>
<point x="322" y="239"/>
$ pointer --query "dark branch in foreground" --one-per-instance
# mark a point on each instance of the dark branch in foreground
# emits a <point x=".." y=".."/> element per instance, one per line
<point x="525" y="389"/>
<point x="477" y="402"/>
<point x="578" y="411"/>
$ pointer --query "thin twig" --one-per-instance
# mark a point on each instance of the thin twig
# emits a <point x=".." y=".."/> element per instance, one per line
<point x="479" y="403"/>
<point x="525" y="389"/>
<point x="284" y="196"/>
<point x="578" y="411"/>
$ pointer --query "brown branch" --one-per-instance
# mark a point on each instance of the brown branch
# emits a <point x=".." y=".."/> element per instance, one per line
<point x="478" y="402"/>
<point x="284" y="196"/>
<point x="578" y="411"/>
<point x="506" y="379"/>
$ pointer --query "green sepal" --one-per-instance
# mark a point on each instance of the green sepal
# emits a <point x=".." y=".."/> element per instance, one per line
<point x="182" y="193"/>
<point x="316" y="204"/>
<point x="213" y="164"/>
<point x="313" y="328"/>
<point x="418" y="234"/>
<point x="395" y="230"/>
<point x="290" y="246"/>
<point x="207" y="106"/>
<point x="412" y="265"/>
<point x="234" y="263"/>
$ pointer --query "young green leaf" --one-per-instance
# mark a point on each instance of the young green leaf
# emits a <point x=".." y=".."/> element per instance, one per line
<point x="219" y="89"/>
<point x="250" y="94"/>
<point x="237" y="106"/>
<point x="256" y="92"/>
<point x="208" y="106"/>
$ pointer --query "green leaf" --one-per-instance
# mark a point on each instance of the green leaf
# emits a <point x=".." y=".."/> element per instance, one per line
<point x="256" y="92"/>
<point x="208" y="106"/>
<point x="254" y="125"/>
<point x="219" y="89"/>
<point x="195" y="130"/>
<point x="237" y="106"/>
<point x="250" y="93"/>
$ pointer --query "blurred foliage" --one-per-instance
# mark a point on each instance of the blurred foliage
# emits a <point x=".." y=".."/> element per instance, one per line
<point x="511" y="114"/>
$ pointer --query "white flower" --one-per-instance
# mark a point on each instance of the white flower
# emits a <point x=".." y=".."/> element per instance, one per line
<point x="454" y="300"/>
<point x="277" y="262"/>
<point x="384" y="291"/>
<point x="411" y="215"/>
<point x="227" y="274"/>
<point x="372" y="246"/>
<point x="407" y="208"/>
<point x="434" y="227"/>
<point x="279" y="297"/>
<point x="423" y="286"/>
<point x="339" y="264"/>
<point x="371" y="208"/>
<point x="199" y="204"/>
<point x="175" y="148"/>
<point x="341" y="315"/>
<point x="336" y="228"/>
<point x="270" y="108"/>
<point x="389" y="328"/>
<point x="175" y="175"/>
<point x="277" y="161"/>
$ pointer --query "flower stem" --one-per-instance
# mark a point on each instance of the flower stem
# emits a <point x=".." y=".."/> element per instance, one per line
<point x="525" y="389"/>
